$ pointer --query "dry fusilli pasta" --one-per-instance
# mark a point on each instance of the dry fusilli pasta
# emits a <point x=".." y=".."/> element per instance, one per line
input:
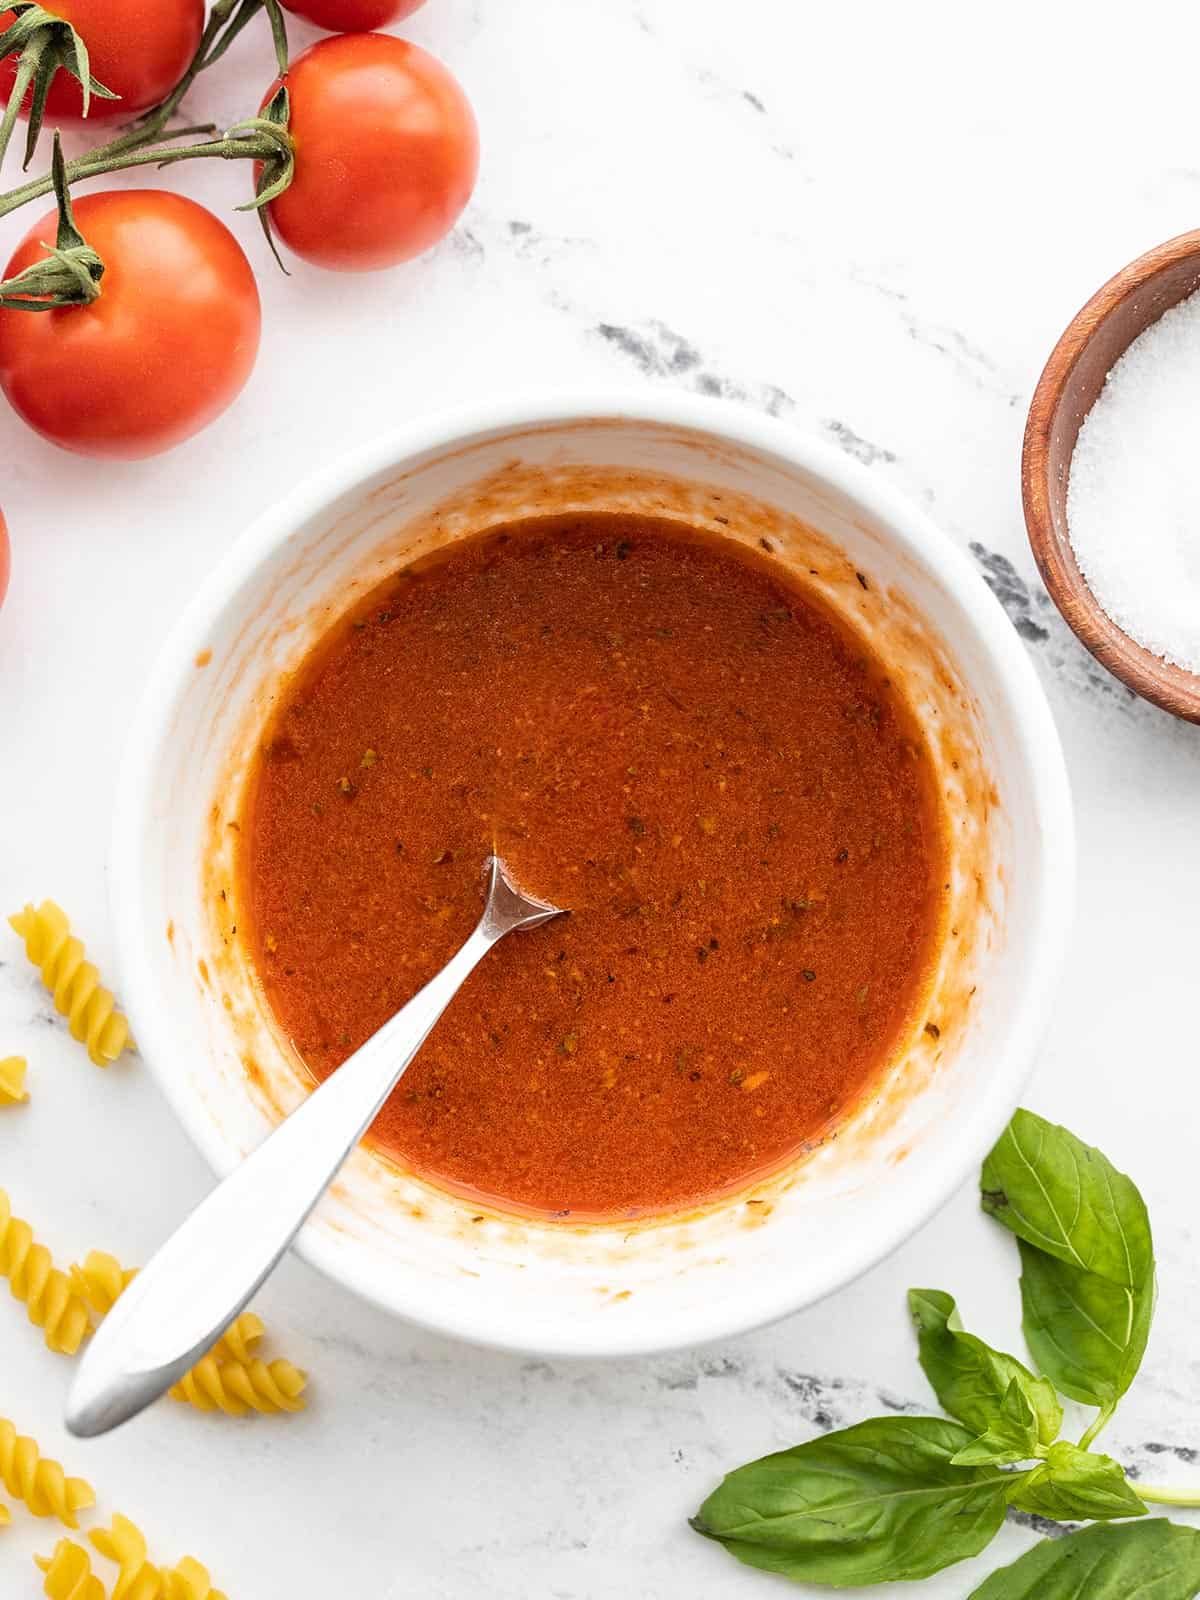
<point x="12" y="1081"/>
<point x="189" y="1581"/>
<point x="49" y="1298"/>
<point x="69" y="1574"/>
<point x="126" y="1545"/>
<point x="243" y="1332"/>
<point x="139" y="1578"/>
<point x="41" y="1484"/>
<point x="100" y="1279"/>
<point x="74" y="982"/>
<point x="237" y="1387"/>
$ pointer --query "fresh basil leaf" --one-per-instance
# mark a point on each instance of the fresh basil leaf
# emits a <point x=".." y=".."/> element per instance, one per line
<point x="868" y="1504"/>
<point x="972" y="1381"/>
<point x="1067" y="1199"/>
<point x="1086" y="1332"/>
<point x="1011" y="1436"/>
<point x="1155" y="1560"/>
<point x="1087" y="1257"/>
<point x="1077" y="1485"/>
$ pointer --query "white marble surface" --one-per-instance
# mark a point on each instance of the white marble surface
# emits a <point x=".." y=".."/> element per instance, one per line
<point x="874" y="220"/>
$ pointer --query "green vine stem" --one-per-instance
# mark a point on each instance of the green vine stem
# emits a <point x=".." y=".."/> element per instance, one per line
<point x="262" y="141"/>
<point x="133" y="146"/>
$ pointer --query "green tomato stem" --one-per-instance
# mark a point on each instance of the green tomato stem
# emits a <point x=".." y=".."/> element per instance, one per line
<point x="71" y="271"/>
<point x="65" y="278"/>
<point x="1166" y="1497"/>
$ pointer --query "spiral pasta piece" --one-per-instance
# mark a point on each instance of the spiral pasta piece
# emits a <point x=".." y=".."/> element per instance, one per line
<point x="100" y="1279"/>
<point x="40" y="1483"/>
<point x="69" y="1574"/>
<point x="238" y="1387"/>
<point x="189" y="1581"/>
<point x="52" y="1304"/>
<point x="227" y="1379"/>
<point x="139" y="1578"/>
<point x="73" y="981"/>
<point x="125" y="1543"/>
<point x="243" y="1332"/>
<point x="12" y="1081"/>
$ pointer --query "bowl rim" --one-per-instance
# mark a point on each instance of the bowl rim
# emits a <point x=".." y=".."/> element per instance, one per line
<point x="1170" y="687"/>
<point x="944" y="1167"/>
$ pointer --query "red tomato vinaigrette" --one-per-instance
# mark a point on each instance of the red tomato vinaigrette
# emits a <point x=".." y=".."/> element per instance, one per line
<point x="673" y="736"/>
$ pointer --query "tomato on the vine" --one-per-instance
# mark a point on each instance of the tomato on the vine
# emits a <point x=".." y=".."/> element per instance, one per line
<point x="386" y="153"/>
<point x="137" y="48"/>
<point x="163" y="350"/>
<point x="353" y="16"/>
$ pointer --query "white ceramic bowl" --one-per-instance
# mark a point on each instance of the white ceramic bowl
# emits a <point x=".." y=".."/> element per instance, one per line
<point x="603" y="1290"/>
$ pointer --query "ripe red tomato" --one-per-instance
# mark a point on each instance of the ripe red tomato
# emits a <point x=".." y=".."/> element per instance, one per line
<point x="138" y="48"/>
<point x="164" y="349"/>
<point x="5" y="558"/>
<point x="353" y="16"/>
<point x="386" y="153"/>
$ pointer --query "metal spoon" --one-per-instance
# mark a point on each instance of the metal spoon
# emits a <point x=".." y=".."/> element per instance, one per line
<point x="179" y="1305"/>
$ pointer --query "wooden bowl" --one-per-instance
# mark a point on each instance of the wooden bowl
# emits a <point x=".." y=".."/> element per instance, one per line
<point x="1081" y="360"/>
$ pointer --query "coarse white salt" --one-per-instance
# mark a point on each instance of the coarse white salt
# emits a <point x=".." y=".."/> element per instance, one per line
<point x="1133" y="503"/>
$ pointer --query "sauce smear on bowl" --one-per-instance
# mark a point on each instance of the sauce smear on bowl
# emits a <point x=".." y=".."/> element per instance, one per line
<point x="673" y="739"/>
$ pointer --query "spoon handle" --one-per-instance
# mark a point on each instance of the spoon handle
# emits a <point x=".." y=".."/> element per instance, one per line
<point x="180" y="1304"/>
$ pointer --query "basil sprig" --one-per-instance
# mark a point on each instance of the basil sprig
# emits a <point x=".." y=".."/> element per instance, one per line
<point x="902" y="1497"/>
<point x="997" y="1397"/>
